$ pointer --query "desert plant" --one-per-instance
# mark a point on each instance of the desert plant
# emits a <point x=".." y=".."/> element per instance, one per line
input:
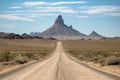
<point x="29" y="55"/>
<point x="20" y="59"/>
<point x="7" y="56"/>
<point x="112" y="60"/>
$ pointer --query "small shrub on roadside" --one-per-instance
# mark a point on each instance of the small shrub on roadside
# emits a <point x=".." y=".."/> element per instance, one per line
<point x="7" y="56"/>
<point x="21" y="59"/>
<point x="112" y="60"/>
<point x="29" y="55"/>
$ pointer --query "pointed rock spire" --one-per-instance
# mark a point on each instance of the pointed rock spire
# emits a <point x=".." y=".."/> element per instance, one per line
<point x="59" y="20"/>
<point x="95" y="34"/>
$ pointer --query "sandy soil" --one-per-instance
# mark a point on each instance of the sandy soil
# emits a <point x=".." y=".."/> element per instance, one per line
<point x="9" y="67"/>
<point x="115" y="69"/>
<point x="5" y="68"/>
<point x="58" y="67"/>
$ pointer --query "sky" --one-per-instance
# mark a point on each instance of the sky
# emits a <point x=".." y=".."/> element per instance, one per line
<point x="25" y="16"/>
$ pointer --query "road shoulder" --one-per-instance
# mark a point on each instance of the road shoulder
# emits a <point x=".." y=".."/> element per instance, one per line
<point x="95" y="68"/>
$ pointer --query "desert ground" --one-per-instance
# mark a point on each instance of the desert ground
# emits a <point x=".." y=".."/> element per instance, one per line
<point x="104" y="53"/>
<point x="13" y="53"/>
<point x="67" y="61"/>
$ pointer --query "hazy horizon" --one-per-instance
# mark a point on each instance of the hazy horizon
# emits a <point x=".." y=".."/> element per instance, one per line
<point x="23" y="16"/>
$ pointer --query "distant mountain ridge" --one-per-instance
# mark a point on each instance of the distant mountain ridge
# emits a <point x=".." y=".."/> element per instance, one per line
<point x="60" y="30"/>
<point x="4" y="35"/>
<point x="34" y="33"/>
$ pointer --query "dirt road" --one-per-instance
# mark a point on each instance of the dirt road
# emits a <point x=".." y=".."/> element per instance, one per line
<point x="58" y="67"/>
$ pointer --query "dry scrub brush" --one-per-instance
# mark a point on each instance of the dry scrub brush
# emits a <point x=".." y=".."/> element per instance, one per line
<point x="105" y="52"/>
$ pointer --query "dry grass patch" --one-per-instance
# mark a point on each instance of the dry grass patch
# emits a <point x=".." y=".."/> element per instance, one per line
<point x="21" y="45"/>
<point x="22" y="51"/>
<point x="98" y="51"/>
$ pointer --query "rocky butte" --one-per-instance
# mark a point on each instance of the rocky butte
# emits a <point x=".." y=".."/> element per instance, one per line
<point x="61" y="31"/>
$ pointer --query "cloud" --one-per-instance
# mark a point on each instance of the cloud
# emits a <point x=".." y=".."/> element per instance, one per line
<point x="54" y="9"/>
<point x="105" y="10"/>
<point x="72" y="2"/>
<point x="30" y="17"/>
<point x="100" y="9"/>
<point x="40" y="15"/>
<point x="15" y="7"/>
<point x="39" y="7"/>
<point x="82" y="16"/>
<point x="29" y="11"/>
<point x="13" y="17"/>
<point x="33" y="14"/>
<point x="48" y="9"/>
<point x="27" y="4"/>
<point x="15" y="11"/>
<point x="39" y="3"/>
<point x="113" y="14"/>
